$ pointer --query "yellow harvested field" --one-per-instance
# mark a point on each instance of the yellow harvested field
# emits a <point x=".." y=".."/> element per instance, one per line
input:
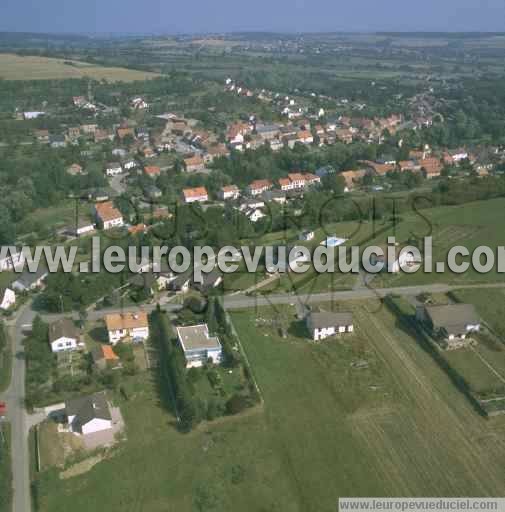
<point x="15" y="67"/>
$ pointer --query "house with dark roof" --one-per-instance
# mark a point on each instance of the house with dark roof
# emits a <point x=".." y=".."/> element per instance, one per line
<point x="322" y="325"/>
<point x="63" y="335"/>
<point x="88" y="414"/>
<point x="450" y="324"/>
<point x="30" y="280"/>
<point x="209" y="281"/>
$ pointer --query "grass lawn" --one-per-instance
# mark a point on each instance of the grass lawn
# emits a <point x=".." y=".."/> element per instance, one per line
<point x="15" y="67"/>
<point x="5" y="468"/>
<point x="328" y="428"/>
<point x="470" y="225"/>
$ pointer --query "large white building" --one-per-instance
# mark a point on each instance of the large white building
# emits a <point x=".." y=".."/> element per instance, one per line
<point x="127" y="326"/>
<point x="198" y="346"/>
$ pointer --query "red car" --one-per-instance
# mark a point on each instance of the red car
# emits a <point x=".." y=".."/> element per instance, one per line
<point x="3" y="408"/>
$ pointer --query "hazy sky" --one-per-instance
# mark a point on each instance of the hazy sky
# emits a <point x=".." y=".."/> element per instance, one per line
<point x="171" y="16"/>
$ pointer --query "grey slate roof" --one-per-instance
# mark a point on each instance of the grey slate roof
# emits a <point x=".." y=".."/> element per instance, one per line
<point x="453" y="317"/>
<point x="64" y="327"/>
<point x="87" y="408"/>
<point x="324" y="319"/>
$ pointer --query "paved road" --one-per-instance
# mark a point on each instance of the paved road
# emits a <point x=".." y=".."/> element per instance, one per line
<point x="21" y="422"/>
<point x="242" y="301"/>
<point x="17" y="416"/>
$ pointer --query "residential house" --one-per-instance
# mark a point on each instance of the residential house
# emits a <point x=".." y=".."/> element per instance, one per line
<point x="267" y="131"/>
<point x="194" y="163"/>
<point x="75" y="169"/>
<point x="137" y="229"/>
<point x="352" y="178"/>
<point x="120" y="152"/>
<point x="102" y="135"/>
<point x="323" y="325"/>
<point x="306" y="236"/>
<point x="74" y="132"/>
<point x="29" y="281"/>
<point x="152" y="171"/>
<point x="285" y="184"/>
<point x="198" y="346"/>
<point x="42" y="136"/>
<point x="7" y="298"/>
<point x="89" y="129"/>
<point x="216" y="151"/>
<point x="104" y="357"/>
<point x="305" y="137"/>
<point x="180" y="283"/>
<point x="153" y="192"/>
<point x="431" y="167"/>
<point x="88" y="414"/>
<point x="127" y="326"/>
<point x="452" y="324"/>
<point x="125" y="132"/>
<point x="196" y="194"/>
<point x="139" y="103"/>
<point x="113" y="169"/>
<point x="84" y="227"/>
<point x="63" y="335"/>
<point x="57" y="141"/>
<point x="311" y="179"/>
<point x="209" y="281"/>
<point x="229" y="192"/>
<point x="258" y="187"/>
<point x="297" y="180"/>
<point x="108" y="217"/>
<point x="278" y="196"/>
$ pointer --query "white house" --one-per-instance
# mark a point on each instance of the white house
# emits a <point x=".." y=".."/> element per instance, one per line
<point x="107" y="216"/>
<point x="198" y="346"/>
<point x="257" y="187"/>
<point x="195" y="195"/>
<point x="229" y="192"/>
<point x="7" y="298"/>
<point x="113" y="169"/>
<point x="63" y="335"/>
<point x="88" y="414"/>
<point x="324" y="325"/>
<point x="127" y="326"/>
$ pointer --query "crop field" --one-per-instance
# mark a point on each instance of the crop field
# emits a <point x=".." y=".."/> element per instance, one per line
<point x="367" y="415"/>
<point x="14" y="67"/>
<point x="471" y="225"/>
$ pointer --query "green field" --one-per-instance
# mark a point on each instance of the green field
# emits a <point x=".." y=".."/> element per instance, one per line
<point x="5" y="468"/>
<point x="15" y="67"/>
<point x="396" y="426"/>
<point x="469" y="225"/>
